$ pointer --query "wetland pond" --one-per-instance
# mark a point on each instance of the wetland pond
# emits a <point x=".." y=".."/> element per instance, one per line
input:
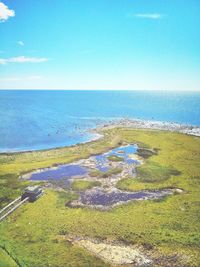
<point x="57" y="173"/>
<point x="101" y="198"/>
<point x="83" y="167"/>
<point x="123" y="158"/>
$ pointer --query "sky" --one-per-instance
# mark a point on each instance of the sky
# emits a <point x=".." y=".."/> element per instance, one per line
<point x="101" y="44"/>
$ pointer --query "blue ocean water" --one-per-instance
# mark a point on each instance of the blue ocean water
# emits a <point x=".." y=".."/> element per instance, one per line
<point x="31" y="120"/>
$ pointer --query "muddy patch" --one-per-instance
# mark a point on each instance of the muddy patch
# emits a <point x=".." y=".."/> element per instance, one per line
<point x="116" y="253"/>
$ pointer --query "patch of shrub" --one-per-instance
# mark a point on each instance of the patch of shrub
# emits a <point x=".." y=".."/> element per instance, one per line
<point x="82" y="185"/>
<point x="115" y="158"/>
<point x="100" y="174"/>
<point x="145" y="153"/>
<point x="154" y="172"/>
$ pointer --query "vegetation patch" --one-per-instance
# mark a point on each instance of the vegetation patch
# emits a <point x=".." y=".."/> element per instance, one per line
<point x="115" y="158"/>
<point x="95" y="173"/>
<point x="133" y="184"/>
<point x="82" y="185"/>
<point x="150" y="175"/>
<point x="146" y="153"/>
<point x="64" y="197"/>
<point x="10" y="188"/>
<point x="6" y="260"/>
<point x="100" y="174"/>
<point x="154" y="172"/>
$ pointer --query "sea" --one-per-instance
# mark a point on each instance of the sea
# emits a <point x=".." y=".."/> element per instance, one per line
<point x="44" y="119"/>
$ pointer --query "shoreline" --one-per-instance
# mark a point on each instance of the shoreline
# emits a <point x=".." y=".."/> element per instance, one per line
<point x="125" y="123"/>
<point x="154" y="125"/>
<point x="97" y="136"/>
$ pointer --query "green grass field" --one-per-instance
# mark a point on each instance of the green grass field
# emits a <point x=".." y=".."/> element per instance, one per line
<point x="168" y="229"/>
<point x="82" y="185"/>
<point x="6" y="260"/>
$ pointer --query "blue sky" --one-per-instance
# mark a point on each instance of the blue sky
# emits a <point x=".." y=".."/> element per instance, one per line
<point x="100" y="44"/>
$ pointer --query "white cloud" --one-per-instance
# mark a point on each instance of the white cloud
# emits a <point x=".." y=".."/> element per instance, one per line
<point x="23" y="59"/>
<point x="5" y="12"/>
<point x="21" y="43"/>
<point x="149" y="15"/>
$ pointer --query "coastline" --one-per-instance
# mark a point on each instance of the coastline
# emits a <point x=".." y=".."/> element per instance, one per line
<point x="154" y="125"/>
<point x="97" y="136"/>
<point x="125" y="123"/>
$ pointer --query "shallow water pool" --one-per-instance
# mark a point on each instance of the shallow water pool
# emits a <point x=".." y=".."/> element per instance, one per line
<point x="103" y="198"/>
<point x="64" y="171"/>
<point x="71" y="170"/>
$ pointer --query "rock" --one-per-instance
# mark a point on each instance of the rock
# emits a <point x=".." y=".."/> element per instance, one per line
<point x="178" y="190"/>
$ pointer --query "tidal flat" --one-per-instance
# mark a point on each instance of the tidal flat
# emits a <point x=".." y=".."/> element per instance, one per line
<point x="166" y="231"/>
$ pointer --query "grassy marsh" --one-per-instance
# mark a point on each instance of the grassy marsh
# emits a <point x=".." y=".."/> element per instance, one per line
<point x="82" y="185"/>
<point x="101" y="174"/>
<point x="115" y="158"/>
<point x="169" y="227"/>
<point x="6" y="260"/>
